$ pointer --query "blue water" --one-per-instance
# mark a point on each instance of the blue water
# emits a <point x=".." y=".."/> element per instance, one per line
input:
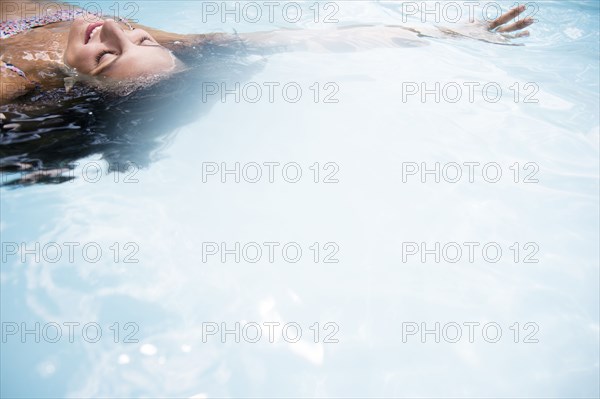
<point x="166" y="210"/>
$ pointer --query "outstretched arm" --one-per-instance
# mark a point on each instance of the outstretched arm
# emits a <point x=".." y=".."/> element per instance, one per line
<point x="349" y="39"/>
<point x="499" y="31"/>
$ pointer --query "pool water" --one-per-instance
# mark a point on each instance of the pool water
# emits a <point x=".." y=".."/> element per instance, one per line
<point x="367" y="196"/>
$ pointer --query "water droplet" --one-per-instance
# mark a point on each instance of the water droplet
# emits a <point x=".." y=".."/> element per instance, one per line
<point x="186" y="348"/>
<point x="124" y="359"/>
<point x="148" y="350"/>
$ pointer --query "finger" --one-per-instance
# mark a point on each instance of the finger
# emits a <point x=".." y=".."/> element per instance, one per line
<point x="525" y="33"/>
<point x="509" y="16"/>
<point x="517" y="25"/>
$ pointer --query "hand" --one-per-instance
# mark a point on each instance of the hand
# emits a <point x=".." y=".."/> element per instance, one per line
<point x="497" y="31"/>
<point x="499" y="25"/>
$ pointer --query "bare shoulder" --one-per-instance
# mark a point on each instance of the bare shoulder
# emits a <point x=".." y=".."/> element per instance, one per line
<point x="13" y="86"/>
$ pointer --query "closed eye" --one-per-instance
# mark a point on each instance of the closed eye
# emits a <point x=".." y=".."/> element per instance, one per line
<point x="145" y="38"/>
<point x="100" y="55"/>
<point x="103" y="53"/>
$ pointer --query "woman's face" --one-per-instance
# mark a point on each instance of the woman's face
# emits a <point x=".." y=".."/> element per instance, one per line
<point x="103" y="48"/>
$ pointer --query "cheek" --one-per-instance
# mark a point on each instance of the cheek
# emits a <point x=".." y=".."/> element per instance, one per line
<point x="74" y="30"/>
<point x="69" y="56"/>
<point x="79" y="57"/>
<point x="76" y="55"/>
<point x="71" y="49"/>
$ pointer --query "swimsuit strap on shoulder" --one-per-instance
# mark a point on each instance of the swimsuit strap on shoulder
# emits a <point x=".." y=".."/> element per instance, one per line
<point x="11" y="67"/>
<point x="12" y="27"/>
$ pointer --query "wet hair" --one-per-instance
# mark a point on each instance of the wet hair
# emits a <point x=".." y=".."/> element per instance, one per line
<point x="46" y="133"/>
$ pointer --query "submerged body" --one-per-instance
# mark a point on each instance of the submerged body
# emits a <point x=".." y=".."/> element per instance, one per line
<point x="109" y="51"/>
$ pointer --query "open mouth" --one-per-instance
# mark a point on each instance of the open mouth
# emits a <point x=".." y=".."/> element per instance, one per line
<point x="91" y="30"/>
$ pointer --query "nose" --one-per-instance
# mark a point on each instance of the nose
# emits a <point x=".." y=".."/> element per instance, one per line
<point x="113" y="36"/>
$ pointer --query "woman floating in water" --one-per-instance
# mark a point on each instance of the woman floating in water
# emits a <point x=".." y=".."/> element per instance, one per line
<point x="39" y="53"/>
<point x="75" y="86"/>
